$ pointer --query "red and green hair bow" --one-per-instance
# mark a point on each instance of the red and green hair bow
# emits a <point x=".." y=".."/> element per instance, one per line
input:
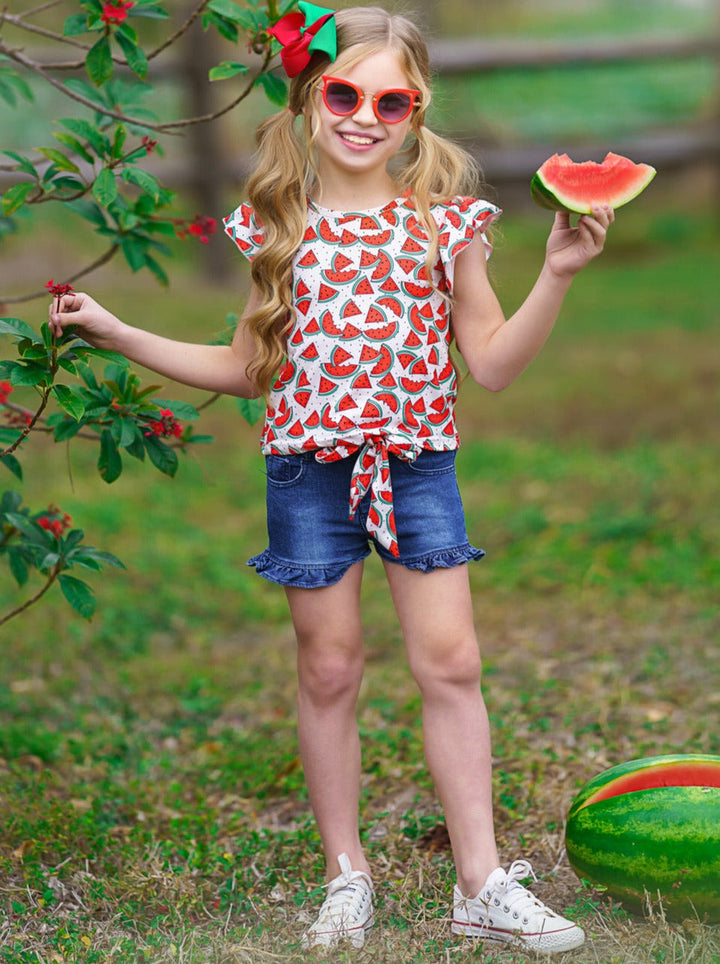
<point x="302" y="34"/>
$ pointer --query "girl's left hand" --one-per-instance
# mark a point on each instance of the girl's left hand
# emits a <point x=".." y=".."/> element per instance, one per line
<point x="570" y="249"/>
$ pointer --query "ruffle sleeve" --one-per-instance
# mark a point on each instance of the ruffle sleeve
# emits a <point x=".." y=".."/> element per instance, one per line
<point x="461" y="219"/>
<point x="243" y="227"/>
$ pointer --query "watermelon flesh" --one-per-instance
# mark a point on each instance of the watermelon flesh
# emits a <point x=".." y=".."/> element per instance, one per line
<point x="562" y="185"/>
<point x="669" y="771"/>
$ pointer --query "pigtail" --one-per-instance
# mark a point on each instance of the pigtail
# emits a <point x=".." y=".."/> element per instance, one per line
<point x="277" y="192"/>
<point x="437" y="170"/>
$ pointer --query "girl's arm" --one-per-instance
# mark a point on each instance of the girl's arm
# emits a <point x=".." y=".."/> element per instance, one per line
<point x="496" y="351"/>
<point x="213" y="368"/>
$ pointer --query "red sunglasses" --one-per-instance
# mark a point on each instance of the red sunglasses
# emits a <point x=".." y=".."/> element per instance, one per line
<point x="389" y="106"/>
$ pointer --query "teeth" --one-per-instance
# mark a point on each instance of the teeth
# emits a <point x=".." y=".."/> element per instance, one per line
<point x="358" y="139"/>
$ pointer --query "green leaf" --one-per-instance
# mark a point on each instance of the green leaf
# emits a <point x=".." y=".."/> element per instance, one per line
<point x="8" y="436"/>
<point x="70" y="401"/>
<point x="181" y="410"/>
<point x="66" y="430"/>
<point x="62" y="161"/>
<point x="118" y="141"/>
<point x="75" y="24"/>
<point x="11" y="85"/>
<point x="124" y="431"/>
<point x="32" y="351"/>
<point x="67" y="364"/>
<point x="31" y="374"/>
<point x="74" y="144"/>
<point x="22" y="162"/>
<point x="65" y="182"/>
<point x="226" y="69"/>
<point x="134" y="55"/>
<point x="228" y="10"/>
<point x="105" y="189"/>
<point x="275" y="88"/>
<point x="162" y="456"/>
<point x="48" y="561"/>
<point x="17" y="565"/>
<point x="148" y="8"/>
<point x="88" y="210"/>
<point x="16" y="326"/>
<point x="134" y="253"/>
<point x="10" y="501"/>
<point x="157" y="269"/>
<point x="142" y="179"/>
<point x="226" y="28"/>
<point x="95" y="559"/>
<point x="84" y="129"/>
<point x="251" y="409"/>
<point x="24" y="525"/>
<point x="105" y="353"/>
<point x="78" y="594"/>
<point x="15" y="197"/>
<point x="6" y="91"/>
<point x="99" y="63"/>
<point x="12" y="465"/>
<point x="127" y="32"/>
<point x="109" y="460"/>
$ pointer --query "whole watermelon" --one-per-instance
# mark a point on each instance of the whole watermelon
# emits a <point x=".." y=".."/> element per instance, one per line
<point x="649" y="830"/>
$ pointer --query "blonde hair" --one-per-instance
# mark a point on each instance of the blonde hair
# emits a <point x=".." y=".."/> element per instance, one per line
<point x="432" y="169"/>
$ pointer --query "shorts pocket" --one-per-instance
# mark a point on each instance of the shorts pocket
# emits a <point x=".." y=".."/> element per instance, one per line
<point x="284" y="470"/>
<point x="433" y="463"/>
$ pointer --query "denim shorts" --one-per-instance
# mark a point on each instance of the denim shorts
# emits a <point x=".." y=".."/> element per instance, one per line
<point x="313" y="541"/>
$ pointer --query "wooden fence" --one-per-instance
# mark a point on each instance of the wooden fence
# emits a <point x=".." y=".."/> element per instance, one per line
<point x="697" y="141"/>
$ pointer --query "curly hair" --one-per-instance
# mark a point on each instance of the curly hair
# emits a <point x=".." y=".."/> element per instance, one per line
<point x="431" y="169"/>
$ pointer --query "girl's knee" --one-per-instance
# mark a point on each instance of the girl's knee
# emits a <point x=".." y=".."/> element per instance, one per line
<point x="454" y="665"/>
<point x="325" y="676"/>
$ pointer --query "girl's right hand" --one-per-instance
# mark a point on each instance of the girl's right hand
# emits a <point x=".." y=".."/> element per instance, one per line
<point x="93" y="322"/>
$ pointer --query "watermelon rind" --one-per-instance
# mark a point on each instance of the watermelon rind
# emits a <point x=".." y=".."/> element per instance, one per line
<point x="650" y="846"/>
<point x="563" y="185"/>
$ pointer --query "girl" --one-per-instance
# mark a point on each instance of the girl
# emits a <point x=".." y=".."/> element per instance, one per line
<point x="368" y="250"/>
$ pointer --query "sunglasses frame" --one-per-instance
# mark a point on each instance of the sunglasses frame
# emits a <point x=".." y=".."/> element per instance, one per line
<point x="414" y="96"/>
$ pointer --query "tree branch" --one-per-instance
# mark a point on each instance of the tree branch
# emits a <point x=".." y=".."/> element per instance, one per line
<point x="18" y="20"/>
<point x="168" y="128"/>
<point x="183" y="28"/>
<point x="54" y="573"/>
<point x="98" y="263"/>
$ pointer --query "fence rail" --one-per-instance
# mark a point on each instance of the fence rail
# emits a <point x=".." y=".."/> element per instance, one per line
<point x="683" y="146"/>
<point x="470" y="55"/>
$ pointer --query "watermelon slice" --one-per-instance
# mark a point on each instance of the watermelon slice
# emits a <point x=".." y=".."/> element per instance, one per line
<point x="562" y="185"/>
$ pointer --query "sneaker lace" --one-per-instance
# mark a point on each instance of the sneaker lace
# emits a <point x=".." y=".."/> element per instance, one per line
<point x="347" y="896"/>
<point x="517" y="899"/>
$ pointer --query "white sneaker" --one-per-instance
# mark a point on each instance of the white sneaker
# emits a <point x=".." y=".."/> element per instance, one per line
<point x="347" y="911"/>
<point x="505" y="911"/>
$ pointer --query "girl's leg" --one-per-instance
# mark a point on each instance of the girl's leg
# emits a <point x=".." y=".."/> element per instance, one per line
<point x="436" y="616"/>
<point x="330" y="665"/>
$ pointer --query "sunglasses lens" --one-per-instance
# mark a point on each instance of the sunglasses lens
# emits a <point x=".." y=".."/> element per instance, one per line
<point x="341" y="98"/>
<point x="394" y="106"/>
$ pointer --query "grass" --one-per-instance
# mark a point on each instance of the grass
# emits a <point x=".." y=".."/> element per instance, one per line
<point x="153" y="806"/>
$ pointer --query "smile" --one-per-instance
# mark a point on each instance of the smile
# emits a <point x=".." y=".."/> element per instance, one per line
<point x="363" y="140"/>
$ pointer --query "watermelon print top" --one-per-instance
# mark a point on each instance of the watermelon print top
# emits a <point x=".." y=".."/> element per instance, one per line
<point x="367" y="368"/>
